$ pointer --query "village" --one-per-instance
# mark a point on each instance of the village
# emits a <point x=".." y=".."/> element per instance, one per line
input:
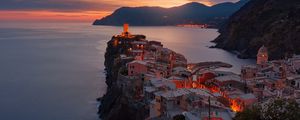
<point x="169" y="85"/>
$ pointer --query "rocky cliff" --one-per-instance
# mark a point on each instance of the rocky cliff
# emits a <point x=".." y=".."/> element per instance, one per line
<point x="115" y="104"/>
<point x="273" y="23"/>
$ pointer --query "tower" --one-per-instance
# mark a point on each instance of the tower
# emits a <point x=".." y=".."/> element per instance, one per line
<point x="125" y="30"/>
<point x="125" y="27"/>
<point x="262" y="56"/>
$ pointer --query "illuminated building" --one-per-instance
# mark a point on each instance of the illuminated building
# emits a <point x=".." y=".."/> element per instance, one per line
<point x="262" y="56"/>
<point x="125" y="32"/>
<point x="137" y="67"/>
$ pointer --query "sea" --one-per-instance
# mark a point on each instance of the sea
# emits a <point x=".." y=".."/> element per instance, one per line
<point x="55" y="70"/>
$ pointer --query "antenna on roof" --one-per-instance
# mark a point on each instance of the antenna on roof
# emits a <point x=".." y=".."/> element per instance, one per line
<point x="208" y="107"/>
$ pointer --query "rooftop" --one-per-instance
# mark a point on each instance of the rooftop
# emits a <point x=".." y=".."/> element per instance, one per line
<point x="136" y="51"/>
<point x="139" y="62"/>
<point x="175" y="93"/>
<point x="248" y="96"/>
<point x="149" y="89"/>
<point x="179" y="68"/>
<point x="202" y="92"/>
<point x="139" y="42"/>
<point x="229" y="78"/>
<point x="156" y="82"/>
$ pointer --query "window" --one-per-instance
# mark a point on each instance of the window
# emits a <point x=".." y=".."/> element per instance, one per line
<point x="293" y="83"/>
<point x="132" y="66"/>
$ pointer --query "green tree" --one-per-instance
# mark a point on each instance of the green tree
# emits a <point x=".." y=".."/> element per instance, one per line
<point x="282" y="110"/>
<point x="279" y="109"/>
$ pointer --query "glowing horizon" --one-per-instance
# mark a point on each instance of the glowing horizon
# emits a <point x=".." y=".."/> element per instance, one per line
<point x="78" y="10"/>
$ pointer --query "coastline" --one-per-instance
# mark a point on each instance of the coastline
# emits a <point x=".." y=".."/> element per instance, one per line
<point x="149" y="81"/>
<point x="117" y="99"/>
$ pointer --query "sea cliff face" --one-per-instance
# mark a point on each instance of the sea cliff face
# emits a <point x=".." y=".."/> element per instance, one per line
<point x="115" y="104"/>
<point x="273" y="23"/>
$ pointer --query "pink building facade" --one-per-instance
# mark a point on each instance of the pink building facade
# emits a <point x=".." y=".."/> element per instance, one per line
<point x="137" y="67"/>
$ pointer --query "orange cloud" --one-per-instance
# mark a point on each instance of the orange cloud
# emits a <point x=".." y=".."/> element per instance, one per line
<point x="212" y="2"/>
<point x="51" y="16"/>
<point x="77" y="10"/>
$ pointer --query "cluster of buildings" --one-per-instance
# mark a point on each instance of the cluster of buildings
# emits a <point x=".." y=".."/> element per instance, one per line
<point x="169" y="86"/>
<point x="272" y="79"/>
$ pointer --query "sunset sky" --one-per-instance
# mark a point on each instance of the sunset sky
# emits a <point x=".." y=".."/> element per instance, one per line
<point x="77" y="10"/>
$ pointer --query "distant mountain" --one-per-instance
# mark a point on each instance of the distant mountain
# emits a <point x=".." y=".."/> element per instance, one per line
<point x="273" y="23"/>
<point x="190" y="13"/>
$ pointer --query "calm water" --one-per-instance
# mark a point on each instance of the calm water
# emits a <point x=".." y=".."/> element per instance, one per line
<point x="54" y="71"/>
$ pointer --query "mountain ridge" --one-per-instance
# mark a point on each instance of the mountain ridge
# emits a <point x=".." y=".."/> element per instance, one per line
<point x="189" y="13"/>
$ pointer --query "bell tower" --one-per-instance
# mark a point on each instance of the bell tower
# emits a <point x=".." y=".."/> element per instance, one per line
<point x="125" y="32"/>
<point x="262" y="56"/>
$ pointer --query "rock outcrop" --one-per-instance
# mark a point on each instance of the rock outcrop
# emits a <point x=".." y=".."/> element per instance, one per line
<point x="273" y="23"/>
<point x="115" y="104"/>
